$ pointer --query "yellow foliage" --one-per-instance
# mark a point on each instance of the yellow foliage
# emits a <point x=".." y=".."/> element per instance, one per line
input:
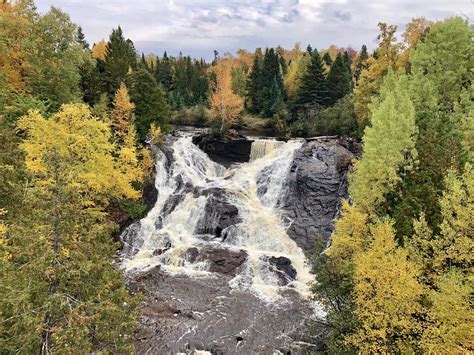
<point x="155" y="134"/>
<point x="72" y="149"/>
<point x="121" y="116"/>
<point x="349" y="237"/>
<point x="371" y="78"/>
<point x="455" y="244"/>
<point x="450" y="325"/>
<point x="294" y="75"/>
<point x="414" y="31"/>
<point x="99" y="50"/>
<point x="387" y="295"/>
<point x="15" y="33"/>
<point x="225" y="105"/>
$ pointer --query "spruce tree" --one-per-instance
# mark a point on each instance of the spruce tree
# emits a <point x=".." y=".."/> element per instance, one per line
<point x="313" y="89"/>
<point x="164" y="73"/>
<point x="338" y="80"/>
<point x="81" y="38"/>
<point x="327" y="59"/>
<point x="361" y="63"/>
<point x="254" y="84"/>
<point x="149" y="100"/>
<point x="272" y="82"/>
<point x="119" y="57"/>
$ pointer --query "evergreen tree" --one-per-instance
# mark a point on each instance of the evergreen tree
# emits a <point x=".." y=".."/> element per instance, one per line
<point x="361" y="63"/>
<point x="338" y="81"/>
<point x="164" y="73"/>
<point x="119" y="58"/>
<point x="313" y="89"/>
<point x="149" y="100"/>
<point x="81" y="38"/>
<point x="90" y="84"/>
<point x="327" y="59"/>
<point x="272" y="82"/>
<point x="255" y="84"/>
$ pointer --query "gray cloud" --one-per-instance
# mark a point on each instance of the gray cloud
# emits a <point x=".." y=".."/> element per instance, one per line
<point x="343" y="15"/>
<point x="200" y="26"/>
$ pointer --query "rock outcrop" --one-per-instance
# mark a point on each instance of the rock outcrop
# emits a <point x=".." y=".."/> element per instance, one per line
<point x="226" y="149"/>
<point x="316" y="185"/>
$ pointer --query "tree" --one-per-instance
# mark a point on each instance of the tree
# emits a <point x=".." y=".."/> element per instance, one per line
<point x="387" y="295"/>
<point x="371" y="78"/>
<point x="149" y="100"/>
<point x="81" y="38"/>
<point x="119" y="58"/>
<point x="55" y="60"/>
<point x="339" y="80"/>
<point x="327" y="59"/>
<point x="225" y="105"/>
<point x="99" y="50"/>
<point x="272" y="83"/>
<point x="255" y="84"/>
<point x="90" y="82"/>
<point x="122" y="115"/>
<point x="389" y="145"/>
<point x="295" y="74"/>
<point x="164" y="73"/>
<point x="361" y="62"/>
<point x="313" y="89"/>
<point x="239" y="82"/>
<point x="61" y="290"/>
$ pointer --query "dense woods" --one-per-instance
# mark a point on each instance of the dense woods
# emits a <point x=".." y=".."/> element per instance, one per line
<point x="74" y="122"/>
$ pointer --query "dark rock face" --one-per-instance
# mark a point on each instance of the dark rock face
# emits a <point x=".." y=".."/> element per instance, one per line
<point x="283" y="269"/>
<point x="316" y="185"/>
<point x="222" y="261"/>
<point x="219" y="214"/>
<point x="225" y="150"/>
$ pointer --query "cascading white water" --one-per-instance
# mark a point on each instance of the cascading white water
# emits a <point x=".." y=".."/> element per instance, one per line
<point x="255" y="188"/>
<point x="262" y="147"/>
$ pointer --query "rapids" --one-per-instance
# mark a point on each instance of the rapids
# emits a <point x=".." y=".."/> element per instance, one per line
<point x="256" y="188"/>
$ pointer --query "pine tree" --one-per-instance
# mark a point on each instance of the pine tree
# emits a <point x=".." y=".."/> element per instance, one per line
<point x="313" y="89"/>
<point x="339" y="80"/>
<point x="149" y="100"/>
<point x="272" y="82"/>
<point x="119" y="57"/>
<point x="90" y="83"/>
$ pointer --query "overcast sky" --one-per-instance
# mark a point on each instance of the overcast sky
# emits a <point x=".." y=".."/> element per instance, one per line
<point x="197" y="27"/>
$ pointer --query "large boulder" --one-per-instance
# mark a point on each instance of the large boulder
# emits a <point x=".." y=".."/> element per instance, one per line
<point x="316" y="185"/>
<point x="219" y="214"/>
<point x="226" y="149"/>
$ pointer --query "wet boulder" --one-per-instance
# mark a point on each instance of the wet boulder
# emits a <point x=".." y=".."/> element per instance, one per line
<point x="218" y="215"/>
<point x="222" y="261"/>
<point x="225" y="149"/>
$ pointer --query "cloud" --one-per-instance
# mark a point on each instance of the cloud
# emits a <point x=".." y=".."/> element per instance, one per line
<point x="200" y="26"/>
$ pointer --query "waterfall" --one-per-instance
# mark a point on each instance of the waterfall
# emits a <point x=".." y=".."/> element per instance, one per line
<point x="262" y="147"/>
<point x="185" y="181"/>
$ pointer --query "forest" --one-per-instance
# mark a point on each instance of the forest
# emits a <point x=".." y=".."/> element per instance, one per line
<point x="76" y="122"/>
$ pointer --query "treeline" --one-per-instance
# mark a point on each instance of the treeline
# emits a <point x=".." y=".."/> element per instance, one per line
<point x="397" y="277"/>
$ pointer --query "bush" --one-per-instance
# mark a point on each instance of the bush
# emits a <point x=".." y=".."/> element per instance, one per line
<point x="192" y="116"/>
<point x="134" y="209"/>
<point x="339" y="119"/>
